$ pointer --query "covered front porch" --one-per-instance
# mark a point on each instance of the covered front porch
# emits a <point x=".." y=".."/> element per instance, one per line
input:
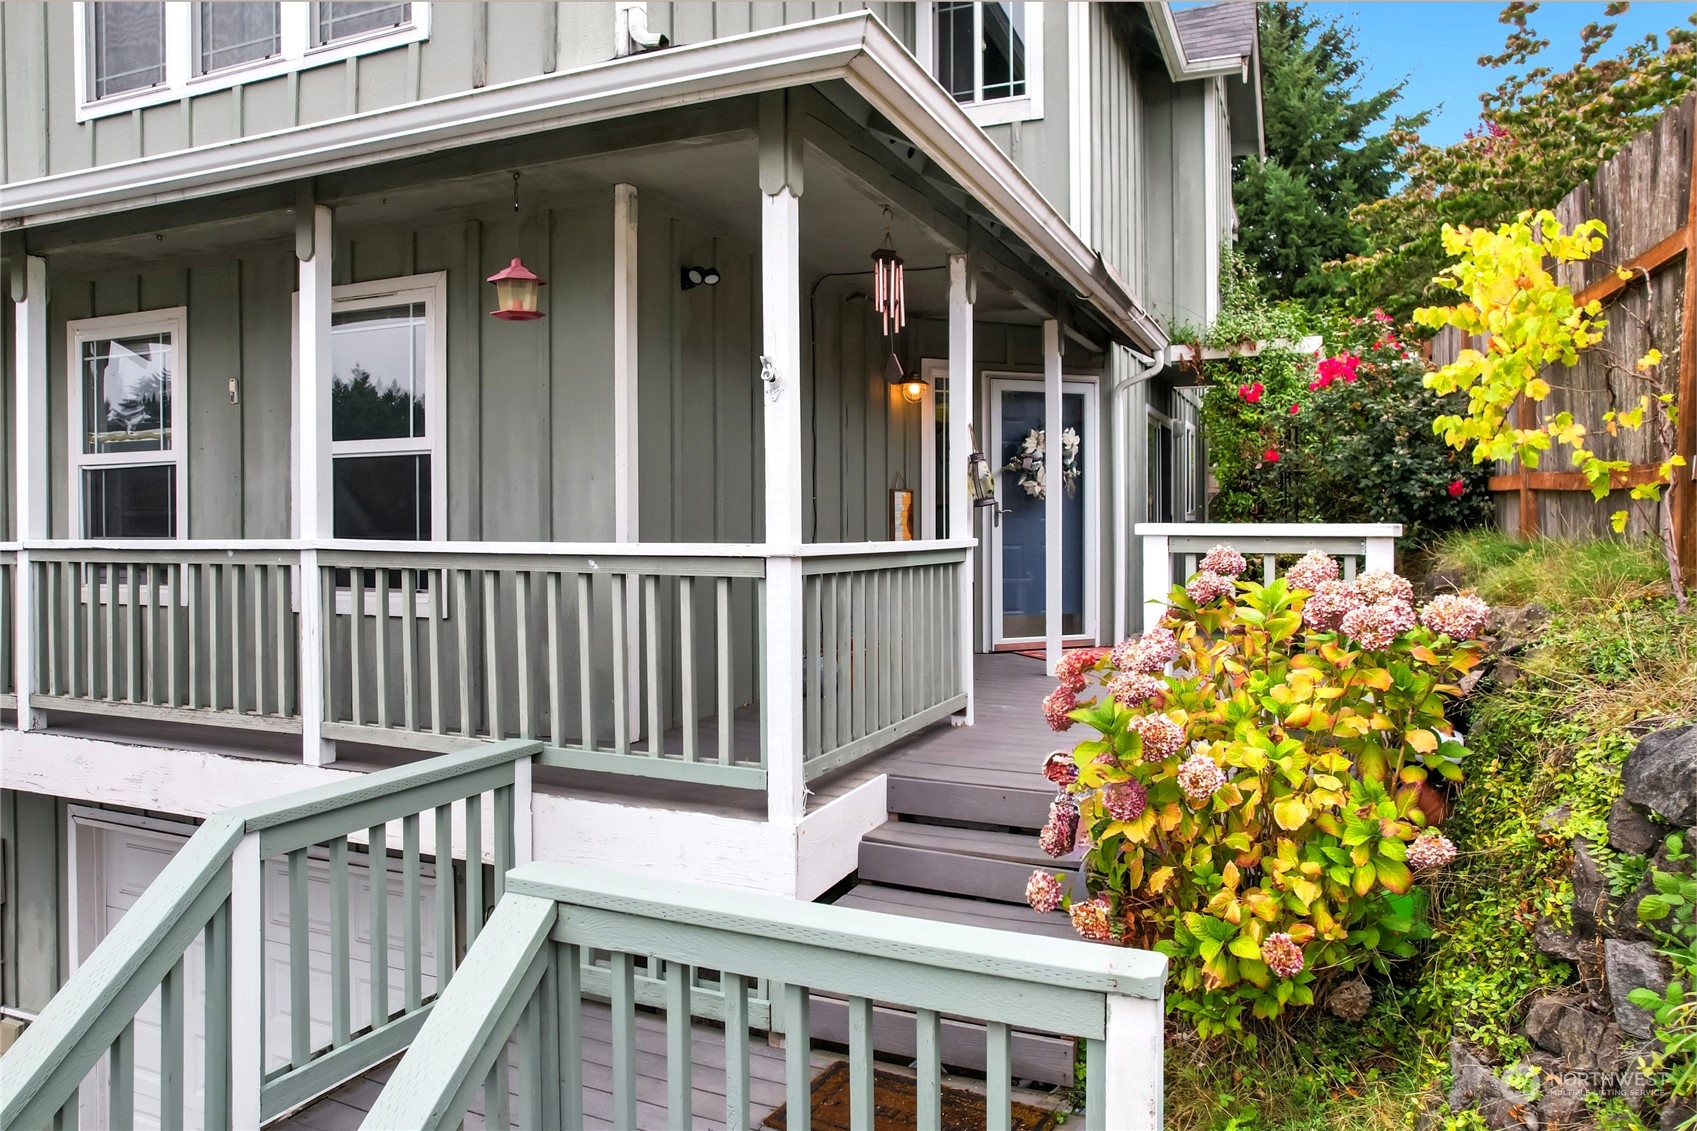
<point x="680" y="533"/>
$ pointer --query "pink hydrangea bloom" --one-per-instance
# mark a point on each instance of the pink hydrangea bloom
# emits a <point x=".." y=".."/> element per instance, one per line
<point x="1430" y="851"/>
<point x="1200" y="778"/>
<point x="1151" y="654"/>
<point x="1377" y="585"/>
<point x="1330" y="602"/>
<point x="1225" y="561"/>
<point x="1206" y="588"/>
<point x="1092" y="919"/>
<point x="1060" y="768"/>
<point x="1312" y="571"/>
<point x="1162" y="737"/>
<point x="1133" y="689"/>
<point x="1457" y="616"/>
<point x="1281" y="954"/>
<point x="1074" y="665"/>
<point x="1043" y="892"/>
<point x="1125" y="800"/>
<point x="1060" y="833"/>
<point x="1376" y="626"/>
<point x="1059" y="702"/>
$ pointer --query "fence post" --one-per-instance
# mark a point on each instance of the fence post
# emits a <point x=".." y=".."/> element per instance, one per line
<point x="1157" y="577"/>
<point x="1381" y="553"/>
<point x="247" y="983"/>
<point x="524" y="840"/>
<point x="1133" y="1096"/>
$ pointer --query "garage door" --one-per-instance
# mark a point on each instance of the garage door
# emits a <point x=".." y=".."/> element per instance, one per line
<point x="115" y="862"/>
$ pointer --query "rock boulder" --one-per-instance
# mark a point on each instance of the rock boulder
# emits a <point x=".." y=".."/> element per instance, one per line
<point x="1660" y="776"/>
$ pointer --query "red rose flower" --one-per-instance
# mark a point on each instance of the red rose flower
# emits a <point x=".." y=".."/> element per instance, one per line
<point x="1295" y="408"/>
<point x="1251" y="393"/>
<point x="1271" y="455"/>
<point x="1457" y="488"/>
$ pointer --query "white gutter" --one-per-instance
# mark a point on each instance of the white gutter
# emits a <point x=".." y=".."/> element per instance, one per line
<point x="1179" y="66"/>
<point x="1142" y="369"/>
<point x="853" y="47"/>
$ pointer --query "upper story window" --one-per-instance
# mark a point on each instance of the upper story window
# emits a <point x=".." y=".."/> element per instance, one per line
<point x="987" y="56"/>
<point x="126" y="416"/>
<point x="386" y="425"/>
<point x="130" y="55"/>
<point x="229" y="34"/>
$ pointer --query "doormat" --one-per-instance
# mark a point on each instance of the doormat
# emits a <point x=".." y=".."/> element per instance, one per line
<point x="894" y="1103"/>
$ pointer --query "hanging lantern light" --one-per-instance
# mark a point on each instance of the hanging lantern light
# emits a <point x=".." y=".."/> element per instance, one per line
<point x="516" y="288"/>
<point x="980" y="480"/>
<point x="888" y="297"/>
<point x="913" y="387"/>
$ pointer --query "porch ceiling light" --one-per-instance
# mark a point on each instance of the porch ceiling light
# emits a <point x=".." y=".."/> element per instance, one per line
<point x="699" y="277"/>
<point x="913" y="386"/>
<point x="516" y="288"/>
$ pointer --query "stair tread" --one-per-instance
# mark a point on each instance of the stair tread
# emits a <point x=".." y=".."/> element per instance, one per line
<point x="953" y="909"/>
<point x="1018" y="847"/>
<point x="1016" y="806"/>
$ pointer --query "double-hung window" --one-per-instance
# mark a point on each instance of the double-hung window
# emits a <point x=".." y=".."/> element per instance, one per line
<point x="127" y="386"/>
<point x="987" y="56"/>
<point x="132" y="54"/>
<point x="386" y="402"/>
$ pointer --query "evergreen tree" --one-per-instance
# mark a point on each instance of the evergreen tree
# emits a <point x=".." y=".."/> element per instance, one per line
<point x="1326" y="153"/>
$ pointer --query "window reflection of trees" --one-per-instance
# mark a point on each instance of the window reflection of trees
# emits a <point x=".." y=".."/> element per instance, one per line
<point x="360" y="410"/>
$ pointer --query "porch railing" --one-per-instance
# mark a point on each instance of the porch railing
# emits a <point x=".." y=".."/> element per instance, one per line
<point x="8" y="625"/>
<point x="643" y="659"/>
<point x="213" y="892"/>
<point x="881" y="632"/>
<point x="631" y="663"/>
<point x="521" y="980"/>
<point x="1172" y="550"/>
<point x="187" y="631"/>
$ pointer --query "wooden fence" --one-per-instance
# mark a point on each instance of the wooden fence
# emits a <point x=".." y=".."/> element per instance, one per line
<point x="1644" y="195"/>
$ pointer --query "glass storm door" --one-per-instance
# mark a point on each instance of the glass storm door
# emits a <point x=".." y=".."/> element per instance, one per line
<point x="1019" y="554"/>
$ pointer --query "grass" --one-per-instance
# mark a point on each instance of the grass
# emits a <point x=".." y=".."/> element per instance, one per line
<point x="1577" y="576"/>
<point x="1616" y="661"/>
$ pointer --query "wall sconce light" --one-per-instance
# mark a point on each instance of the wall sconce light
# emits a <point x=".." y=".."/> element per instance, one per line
<point x="699" y="277"/>
<point x="913" y="386"/>
<point x="516" y="288"/>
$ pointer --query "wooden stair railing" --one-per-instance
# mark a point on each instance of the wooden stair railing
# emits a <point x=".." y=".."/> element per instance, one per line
<point x="212" y="891"/>
<point x="521" y="980"/>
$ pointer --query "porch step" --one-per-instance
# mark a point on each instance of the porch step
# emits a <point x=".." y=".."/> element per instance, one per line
<point x="960" y="861"/>
<point x="1011" y="805"/>
<point x="1042" y="1057"/>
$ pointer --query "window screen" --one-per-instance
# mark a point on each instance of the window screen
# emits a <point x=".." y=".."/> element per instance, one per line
<point x="333" y="21"/>
<point x="229" y="34"/>
<point x="127" y="46"/>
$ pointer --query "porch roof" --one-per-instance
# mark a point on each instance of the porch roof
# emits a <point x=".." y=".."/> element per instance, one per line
<point x="855" y="48"/>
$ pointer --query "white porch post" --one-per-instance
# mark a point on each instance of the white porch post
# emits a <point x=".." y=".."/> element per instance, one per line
<point x="626" y="496"/>
<point x="29" y="443"/>
<point x="961" y="510"/>
<point x="1157" y="578"/>
<point x="247" y="982"/>
<point x="312" y="497"/>
<point x="1053" y="495"/>
<point x="1134" y="1093"/>
<point x="780" y="324"/>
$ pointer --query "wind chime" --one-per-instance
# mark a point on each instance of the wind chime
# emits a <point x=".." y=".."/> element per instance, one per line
<point x="888" y="297"/>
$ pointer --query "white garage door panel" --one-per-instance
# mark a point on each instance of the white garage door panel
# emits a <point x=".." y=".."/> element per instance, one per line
<point x="116" y="864"/>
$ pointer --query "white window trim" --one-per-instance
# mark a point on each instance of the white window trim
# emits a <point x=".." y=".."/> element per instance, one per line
<point x="999" y="111"/>
<point x="432" y="291"/>
<point x="173" y="321"/>
<point x="296" y="54"/>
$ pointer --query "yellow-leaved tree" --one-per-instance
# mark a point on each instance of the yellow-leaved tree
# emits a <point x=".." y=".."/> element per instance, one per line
<point x="1532" y="326"/>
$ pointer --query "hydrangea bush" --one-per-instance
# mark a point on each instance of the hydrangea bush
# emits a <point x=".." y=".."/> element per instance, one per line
<point x="1256" y="796"/>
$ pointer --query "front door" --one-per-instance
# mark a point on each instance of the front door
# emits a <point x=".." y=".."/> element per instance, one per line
<point x="1019" y="560"/>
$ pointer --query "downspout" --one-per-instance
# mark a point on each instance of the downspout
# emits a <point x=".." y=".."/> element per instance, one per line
<point x="1143" y="367"/>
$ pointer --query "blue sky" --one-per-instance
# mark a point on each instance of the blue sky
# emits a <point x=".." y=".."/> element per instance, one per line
<point x="1436" y="47"/>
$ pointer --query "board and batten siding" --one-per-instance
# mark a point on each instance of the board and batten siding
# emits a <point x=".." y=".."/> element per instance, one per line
<point x="32" y="833"/>
<point x="1120" y="222"/>
<point x="470" y="45"/>
<point x="692" y="22"/>
<point x="8" y="363"/>
<point x="1175" y="214"/>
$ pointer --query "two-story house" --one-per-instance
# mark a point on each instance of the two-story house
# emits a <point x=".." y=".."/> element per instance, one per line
<point x="387" y="378"/>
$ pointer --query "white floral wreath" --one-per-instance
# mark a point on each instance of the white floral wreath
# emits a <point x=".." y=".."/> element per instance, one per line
<point x="1029" y="461"/>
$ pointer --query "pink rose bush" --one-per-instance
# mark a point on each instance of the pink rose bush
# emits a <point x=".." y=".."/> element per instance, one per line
<point x="1247" y="795"/>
